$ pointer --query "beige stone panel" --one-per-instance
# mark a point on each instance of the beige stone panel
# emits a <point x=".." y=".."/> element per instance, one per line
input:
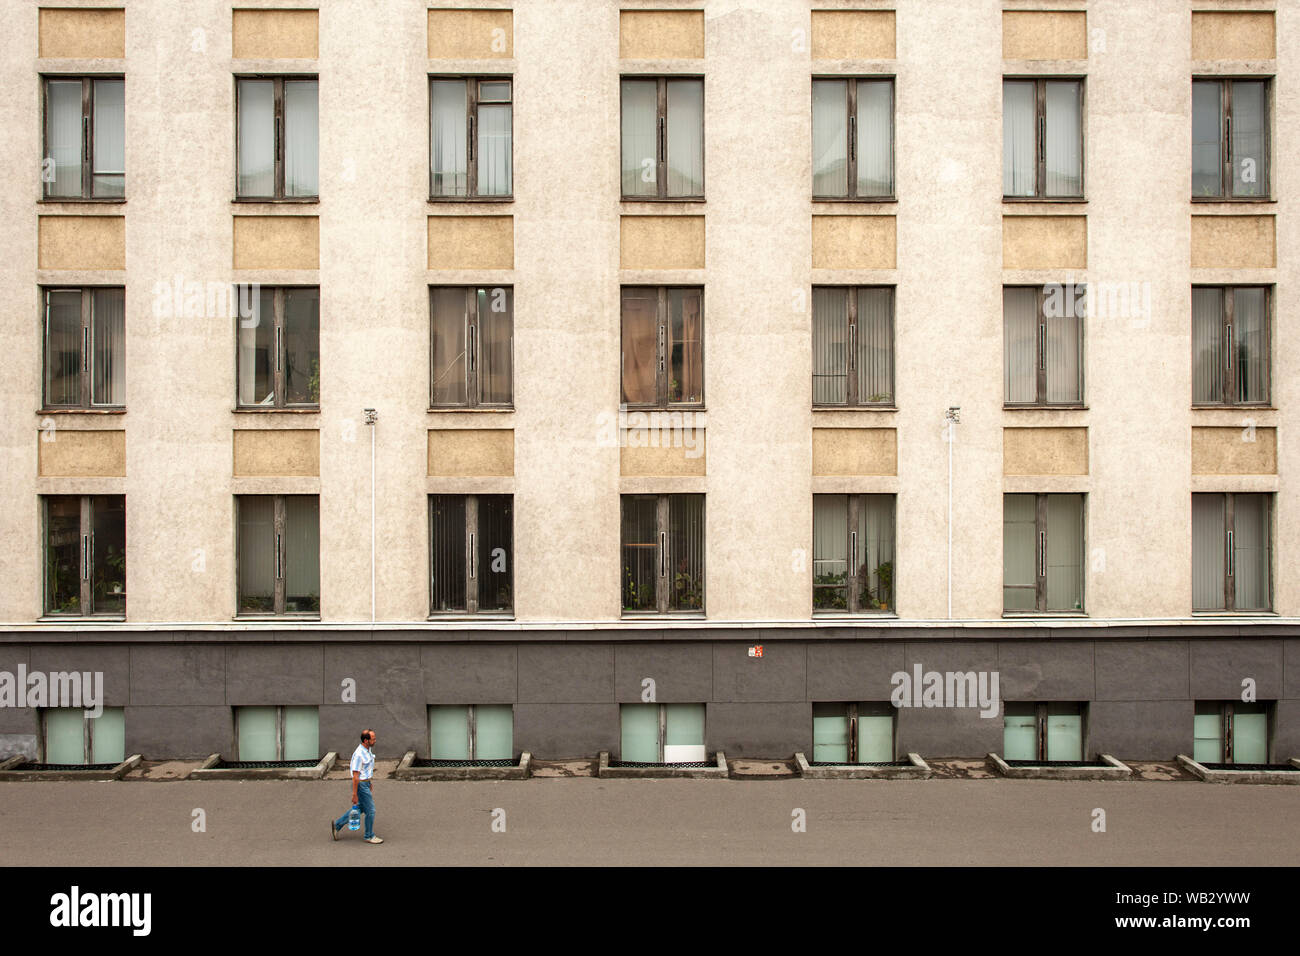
<point x="854" y="242"/>
<point x="855" y="451"/>
<point x="1044" y="242"/>
<point x="471" y="242"/>
<point x="470" y="34"/>
<point x="1044" y="35"/>
<point x="275" y="35"/>
<point x="1233" y="35"/>
<point x="277" y="451"/>
<point x="471" y="452"/>
<point x="667" y="461"/>
<point x="661" y="34"/>
<point x="81" y="242"/>
<point x="276" y="242"/>
<point x="82" y="34"/>
<point x="853" y="35"/>
<point x="83" y="454"/>
<point x="1234" y="451"/>
<point x="661" y="242"/>
<point x="1234" y="242"/>
<point x="1045" y="451"/>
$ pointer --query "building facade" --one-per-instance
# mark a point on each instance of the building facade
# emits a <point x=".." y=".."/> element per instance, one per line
<point x="414" y="362"/>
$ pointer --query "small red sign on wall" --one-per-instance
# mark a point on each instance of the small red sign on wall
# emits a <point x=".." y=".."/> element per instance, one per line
<point x="756" y="650"/>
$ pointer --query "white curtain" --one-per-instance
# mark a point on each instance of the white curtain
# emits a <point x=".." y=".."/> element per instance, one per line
<point x="302" y="550"/>
<point x="876" y="548"/>
<point x="830" y="346"/>
<point x="685" y="137"/>
<point x="256" y="138"/>
<point x="1064" y="378"/>
<point x="110" y="138"/>
<point x="1064" y="552"/>
<point x="1207" y="552"/>
<point x="1207" y="345"/>
<point x="63" y="136"/>
<point x="301" y="138"/>
<point x="830" y="138"/>
<point x="1250" y="551"/>
<point x="108" y="313"/>
<point x="1019" y="159"/>
<point x="875" y="138"/>
<point x="639" y="136"/>
<point x="1064" y="148"/>
<point x="875" y="345"/>
<point x="1020" y="336"/>
<point x="1250" y="342"/>
<point x="494" y="171"/>
<point x="448" y="153"/>
<point x="830" y="535"/>
<point x="1249" y="122"/>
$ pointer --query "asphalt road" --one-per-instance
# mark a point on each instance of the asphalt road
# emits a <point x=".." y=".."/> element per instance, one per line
<point x="569" y="821"/>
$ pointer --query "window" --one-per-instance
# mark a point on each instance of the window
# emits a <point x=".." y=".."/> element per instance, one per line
<point x="663" y="138"/>
<point x="277" y="138"/>
<point x="853" y="733"/>
<point x="279" y="554"/>
<point x="1037" y="732"/>
<point x="1042" y="139"/>
<point x="277" y="734"/>
<point x="1043" y="345"/>
<point x="472" y="346"/>
<point x="853" y="345"/>
<point x="471" y="551"/>
<point x="1230" y="732"/>
<point x="85" y="348"/>
<point x="278" y="350"/>
<point x="861" y="526"/>
<point x="853" y="138"/>
<point x="1230" y="345"/>
<point x="85" y="138"/>
<point x="469" y="137"/>
<point x="71" y="739"/>
<point x="1230" y="139"/>
<point x="1042" y="552"/>
<point x="85" y="554"/>
<point x="1231" y="552"/>
<point x="663" y="346"/>
<point x="663" y="553"/>
<point x="662" y="733"/>
<point x="474" y="732"/>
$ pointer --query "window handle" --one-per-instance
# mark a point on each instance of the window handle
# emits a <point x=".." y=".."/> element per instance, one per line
<point x="473" y="348"/>
<point x="661" y="348"/>
<point x="1227" y="343"/>
<point x="663" y="146"/>
<point x="279" y="346"/>
<point x="278" y="154"/>
<point x="1042" y="137"/>
<point x="473" y="554"/>
<point x="1232" y="568"/>
<point x="663" y="554"/>
<point x="279" y="569"/>
<point x="85" y="557"/>
<point x="853" y="137"/>
<point x="1042" y="554"/>
<point x="85" y="348"/>
<point x="471" y="138"/>
<point x="853" y="551"/>
<point x="85" y="138"/>
<point x="853" y="347"/>
<point x="1042" y="345"/>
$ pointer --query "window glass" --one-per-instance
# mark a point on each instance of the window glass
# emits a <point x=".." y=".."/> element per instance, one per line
<point x="448" y="155"/>
<point x="108" y="338"/>
<point x="1207" y="731"/>
<point x="301" y="733"/>
<point x="1249" y="733"/>
<point x="108" y="736"/>
<point x="65" y="740"/>
<point x="448" y="546"/>
<point x="109" y="554"/>
<point x="639" y="141"/>
<point x="830" y="137"/>
<point x="1064" y="552"/>
<point x="449" y="732"/>
<point x="1249" y="144"/>
<point x="1019" y="732"/>
<point x="302" y="346"/>
<point x="494" y="732"/>
<point x="1019" y="552"/>
<point x="301" y="138"/>
<point x="830" y="733"/>
<point x="256" y="137"/>
<point x="683" y="733"/>
<point x="302" y="553"/>
<point x="257" y="554"/>
<point x="109" y="123"/>
<point x="1207" y="139"/>
<point x="63" y="348"/>
<point x="1063" y="146"/>
<point x="639" y="734"/>
<point x="875" y="147"/>
<point x="1019" y="143"/>
<point x="63" y="137"/>
<point x="257" y="733"/>
<point x="875" y="737"/>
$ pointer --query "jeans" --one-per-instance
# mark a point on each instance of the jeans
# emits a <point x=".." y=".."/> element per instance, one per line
<point x="367" y="804"/>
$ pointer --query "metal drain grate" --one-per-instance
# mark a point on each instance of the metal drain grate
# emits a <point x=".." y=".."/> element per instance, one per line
<point x="263" y="764"/>
<point x="64" y="766"/>
<point x="1058" y="763"/>
<point x="688" y="765"/>
<point x="1250" y="766"/>
<point x="865" y="763"/>
<point x="464" y="763"/>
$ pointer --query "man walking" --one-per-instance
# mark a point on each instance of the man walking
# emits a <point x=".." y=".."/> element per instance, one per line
<point x="363" y="770"/>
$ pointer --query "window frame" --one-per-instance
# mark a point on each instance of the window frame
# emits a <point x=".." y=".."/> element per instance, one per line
<point x="87" y="135"/>
<point x="1229" y="560"/>
<point x="1227" y="726"/>
<point x="1228" y="369"/>
<point x="663" y="547"/>
<point x="281" y="711"/>
<point x="851" y="108"/>
<point x="280" y="371"/>
<point x="471" y="727"/>
<point x="280" y="570"/>
<point x="851" y="579"/>
<point x="473" y="338"/>
<point x="1227" y="162"/>
<point x="1040" y="136"/>
<point x="279" y="79"/>
<point x="1041" y="544"/>
<point x="87" y="733"/>
<point x="663" y="348"/>
<point x="86" y="580"/>
<point x="853" y="710"/>
<point x="86" y="374"/>
<point x="1040" y="350"/>
<point x="661" y="137"/>
<point x="472" y="81"/>
<point x="1042" y="716"/>
<point x="662" y="713"/>
<point x="472" y="533"/>
<point x="853" y="383"/>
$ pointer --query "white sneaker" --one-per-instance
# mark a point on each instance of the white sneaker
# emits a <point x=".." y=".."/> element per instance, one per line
<point x="375" y="839"/>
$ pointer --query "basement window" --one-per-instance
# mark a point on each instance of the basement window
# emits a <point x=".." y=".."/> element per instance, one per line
<point x="472" y="734"/>
<point x="1230" y="732"/>
<point x="661" y="734"/>
<point x="71" y="739"/>
<point x="1038" y="732"/>
<point x="848" y="733"/>
<point x="276" y="735"/>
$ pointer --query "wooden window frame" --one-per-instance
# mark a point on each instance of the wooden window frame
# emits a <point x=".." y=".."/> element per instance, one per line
<point x="1229" y="368"/>
<point x="663" y="350"/>
<point x="86" y="386"/>
<point x="866" y="708"/>
<point x="661" y="138"/>
<point x="279" y="372"/>
<point x="663" y="546"/>
<point x="472" y="81"/>
<point x="851" y="579"/>
<point x="851" y="105"/>
<point x="1040" y="557"/>
<point x="1040" y="137"/>
<point x="853" y="387"/>
<point x="87" y="136"/>
<point x="1041" y="717"/>
<point x="281" y="565"/>
<point x="1040" y="350"/>
<point x="471" y="553"/>
<point x="86" y="560"/>
<point x="1227" y="712"/>
<point x="1227" y="162"/>
<point x="1229" y="559"/>
<point x="279" y="79"/>
<point x="474" y="323"/>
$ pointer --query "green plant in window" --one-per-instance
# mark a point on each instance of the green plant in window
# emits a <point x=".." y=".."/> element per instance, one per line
<point x="878" y="397"/>
<point x="116" y="561"/>
<point x="828" y="592"/>
<point x="686" y="587"/>
<point x="65" y="587"/>
<point x="631" y="598"/>
<point x="313" y="382"/>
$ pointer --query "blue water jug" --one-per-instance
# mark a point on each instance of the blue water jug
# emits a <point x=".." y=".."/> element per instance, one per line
<point x="354" y="818"/>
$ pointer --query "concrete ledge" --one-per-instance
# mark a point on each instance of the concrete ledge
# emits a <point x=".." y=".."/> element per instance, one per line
<point x="1113" y="770"/>
<point x="11" y="769"/>
<point x="405" y="770"/>
<point x="208" y="770"/>
<point x="916" y="769"/>
<point x="642" y="773"/>
<point x="1242" y="776"/>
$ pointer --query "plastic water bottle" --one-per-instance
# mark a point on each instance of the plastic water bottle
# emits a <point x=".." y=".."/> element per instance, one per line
<point x="354" y="818"/>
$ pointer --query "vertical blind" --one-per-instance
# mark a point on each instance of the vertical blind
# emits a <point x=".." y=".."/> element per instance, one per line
<point x="1207" y="138"/>
<point x="686" y="552"/>
<point x="685" y="135"/>
<point x="1250" y="343"/>
<point x="830" y="346"/>
<point x="1019" y="152"/>
<point x="830" y="137"/>
<point x="1207" y="345"/>
<point x="301" y="138"/>
<point x="640" y="148"/>
<point x="256" y="552"/>
<point x="875" y="147"/>
<point x="447" y="526"/>
<point x="257" y="137"/>
<point x="1249" y="129"/>
<point x="493" y="148"/>
<point x="63" y="348"/>
<point x="109" y="119"/>
<point x="63" y="136"/>
<point x="450" y="322"/>
<point x="495" y="359"/>
<point x="1209" y="515"/>
<point x="302" y="553"/>
<point x="1020" y="344"/>
<point x="1063" y="149"/>
<point x="1019" y="552"/>
<point x="108" y="315"/>
<point x="875" y="332"/>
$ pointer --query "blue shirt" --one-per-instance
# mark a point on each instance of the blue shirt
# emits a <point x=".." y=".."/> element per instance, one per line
<point x="363" y="761"/>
